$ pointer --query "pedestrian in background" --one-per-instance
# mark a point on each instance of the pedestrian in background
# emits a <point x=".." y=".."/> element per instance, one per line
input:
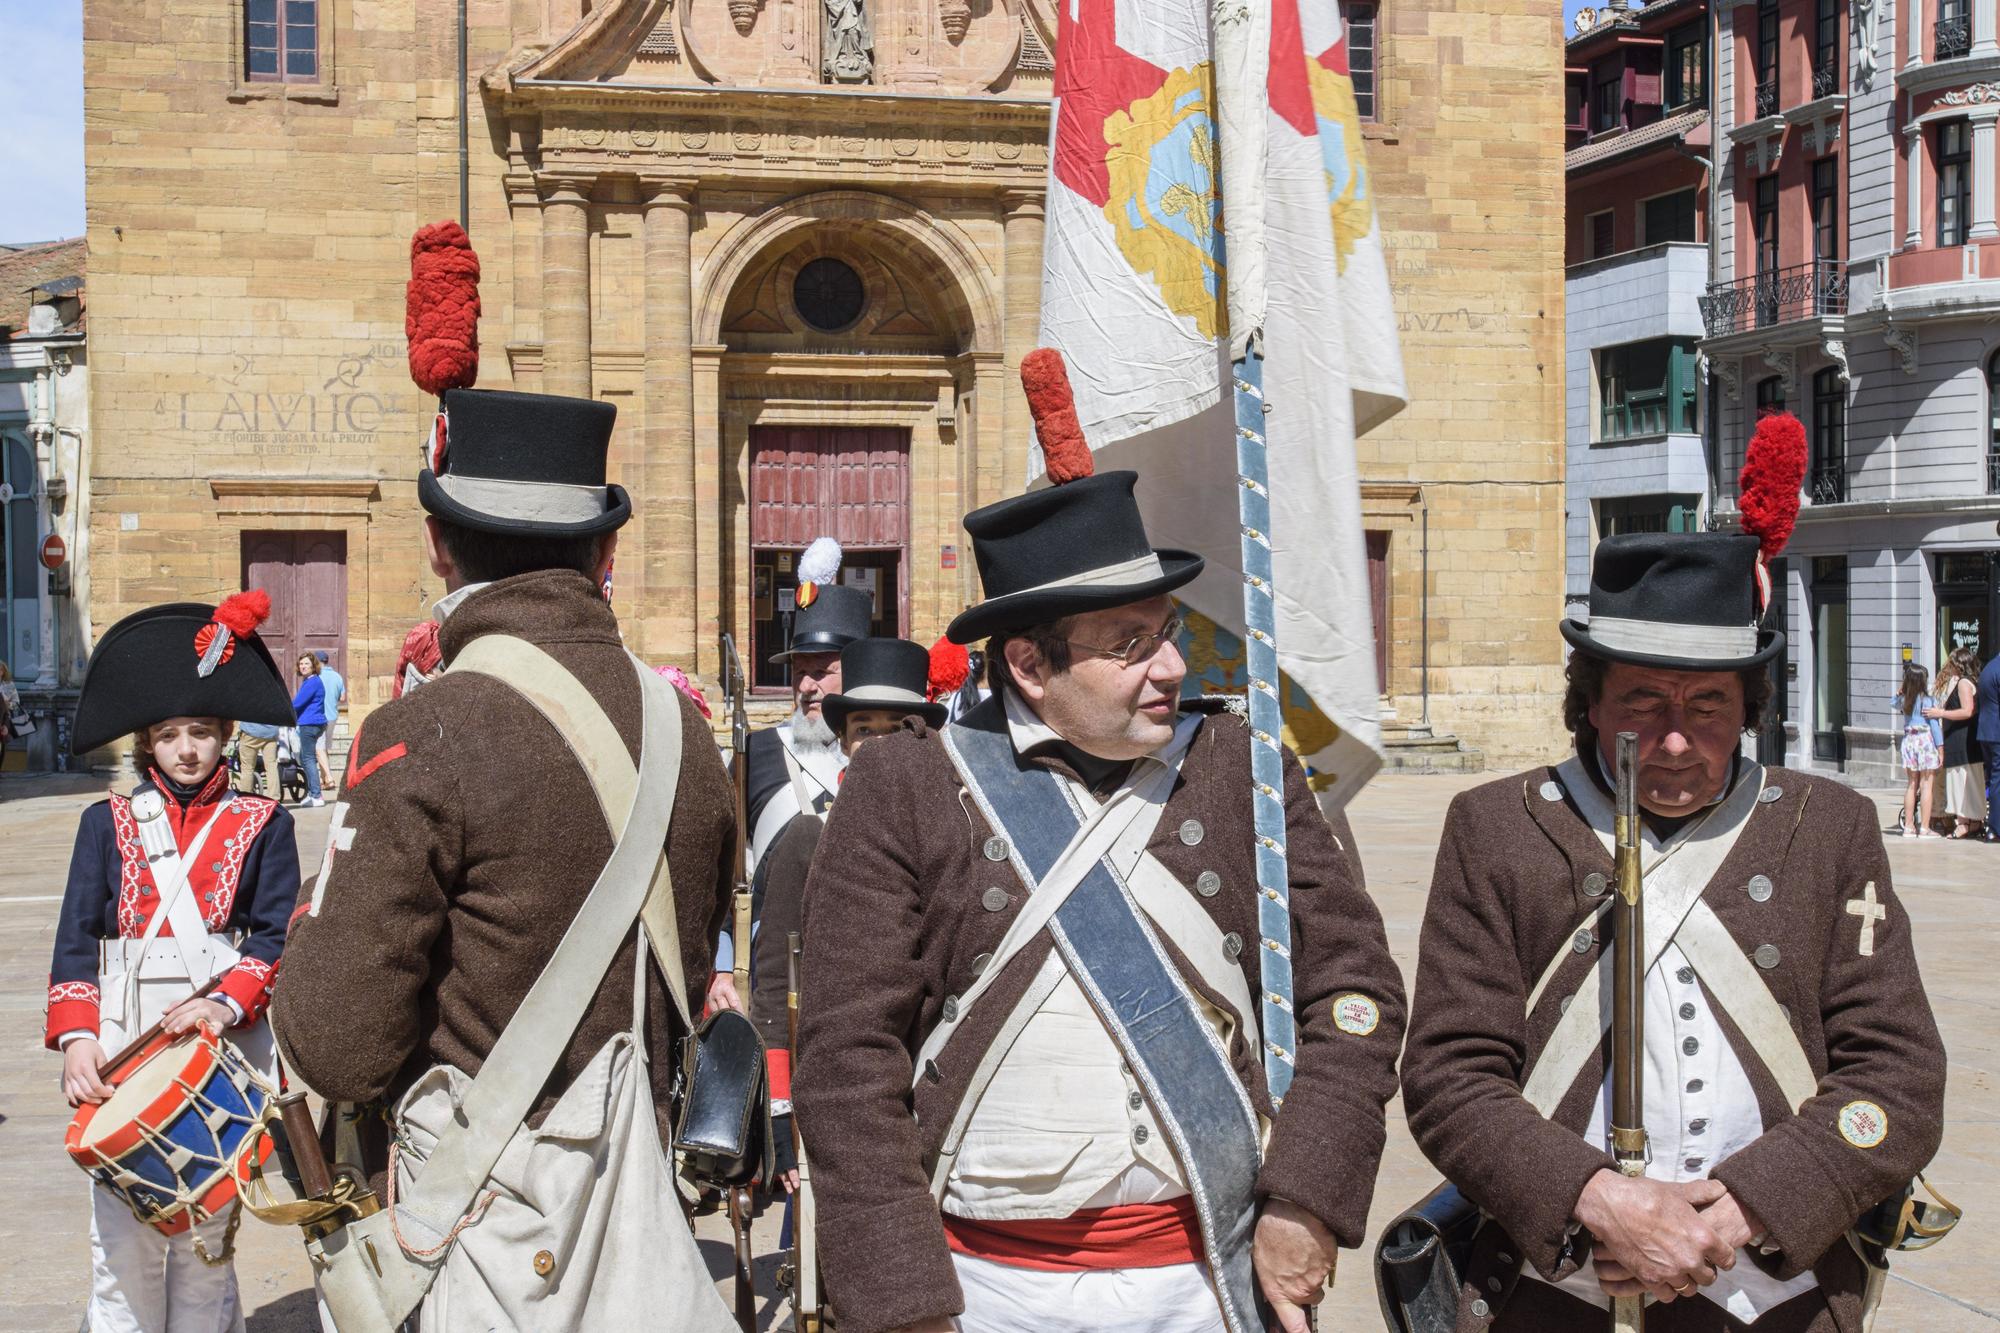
<point x="1956" y="690"/>
<point x="10" y="704"/>
<point x="257" y="750"/>
<point x="336" y="699"/>
<point x="310" y="705"/>
<point x="1922" y="751"/>
<point x="1986" y="730"/>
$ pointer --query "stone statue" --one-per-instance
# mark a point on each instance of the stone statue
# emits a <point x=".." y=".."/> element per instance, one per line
<point x="847" y="50"/>
<point x="1867" y="19"/>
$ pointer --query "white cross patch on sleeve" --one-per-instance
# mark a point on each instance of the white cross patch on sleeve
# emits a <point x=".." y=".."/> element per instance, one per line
<point x="339" y="838"/>
<point x="1870" y="912"/>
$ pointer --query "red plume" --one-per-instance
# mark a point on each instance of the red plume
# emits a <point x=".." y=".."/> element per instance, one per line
<point x="1774" y="467"/>
<point x="441" y="309"/>
<point x="1065" y="453"/>
<point x="244" y="612"/>
<point x="951" y="666"/>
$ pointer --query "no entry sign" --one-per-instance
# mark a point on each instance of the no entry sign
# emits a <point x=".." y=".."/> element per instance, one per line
<point x="54" y="552"/>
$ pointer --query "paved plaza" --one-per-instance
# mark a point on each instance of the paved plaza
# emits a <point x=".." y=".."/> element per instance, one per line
<point x="44" y="1231"/>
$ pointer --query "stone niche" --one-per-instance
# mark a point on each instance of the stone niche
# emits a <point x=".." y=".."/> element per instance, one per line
<point x="945" y="46"/>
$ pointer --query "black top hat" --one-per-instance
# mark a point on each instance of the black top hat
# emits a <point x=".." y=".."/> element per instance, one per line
<point x="147" y="668"/>
<point x="1064" y="550"/>
<point x="836" y="616"/>
<point x="1684" y="601"/>
<point x="890" y="674"/>
<point x="525" y="463"/>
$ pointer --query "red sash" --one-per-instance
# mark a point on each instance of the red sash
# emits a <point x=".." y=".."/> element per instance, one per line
<point x="1138" y="1235"/>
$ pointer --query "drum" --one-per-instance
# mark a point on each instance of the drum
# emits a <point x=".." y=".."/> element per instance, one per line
<point x="181" y="1128"/>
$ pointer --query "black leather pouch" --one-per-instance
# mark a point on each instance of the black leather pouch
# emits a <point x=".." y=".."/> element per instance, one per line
<point x="724" y="1131"/>
<point x="1420" y="1262"/>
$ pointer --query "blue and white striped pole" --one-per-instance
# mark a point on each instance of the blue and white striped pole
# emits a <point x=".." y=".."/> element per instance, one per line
<point x="1267" y="770"/>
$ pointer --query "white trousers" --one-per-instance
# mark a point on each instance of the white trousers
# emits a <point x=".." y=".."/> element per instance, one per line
<point x="145" y="1282"/>
<point x="1001" y="1298"/>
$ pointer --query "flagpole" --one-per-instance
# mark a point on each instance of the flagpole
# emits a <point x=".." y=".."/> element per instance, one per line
<point x="1267" y="769"/>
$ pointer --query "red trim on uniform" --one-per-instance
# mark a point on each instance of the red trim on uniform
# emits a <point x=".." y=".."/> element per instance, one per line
<point x="778" y="1061"/>
<point x="1138" y="1235"/>
<point x="70" y="1015"/>
<point x="356" y="777"/>
<point x="249" y="983"/>
<point x="297" y="912"/>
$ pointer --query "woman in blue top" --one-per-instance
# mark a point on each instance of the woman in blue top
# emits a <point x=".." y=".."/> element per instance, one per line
<point x="310" y="704"/>
<point x="1922" y="752"/>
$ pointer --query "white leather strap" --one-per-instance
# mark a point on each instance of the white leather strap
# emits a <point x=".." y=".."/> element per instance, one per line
<point x="1738" y="991"/>
<point x="169" y="870"/>
<point x="1030" y="1003"/>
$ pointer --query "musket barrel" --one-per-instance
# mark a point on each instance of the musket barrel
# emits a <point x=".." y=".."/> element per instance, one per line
<point x="1628" y="999"/>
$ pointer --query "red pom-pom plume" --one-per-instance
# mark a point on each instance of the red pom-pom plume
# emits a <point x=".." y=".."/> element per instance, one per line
<point x="1065" y="454"/>
<point x="441" y="309"/>
<point x="951" y="667"/>
<point x="420" y="650"/>
<point x="244" y="612"/>
<point x="1774" y="468"/>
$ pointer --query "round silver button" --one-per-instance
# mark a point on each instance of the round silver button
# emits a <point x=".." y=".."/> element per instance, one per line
<point x="951" y="1008"/>
<point x="994" y="899"/>
<point x="1770" y="794"/>
<point x="1766" y="956"/>
<point x="1581" y="942"/>
<point x="1480" y="1310"/>
<point x="1759" y="888"/>
<point x="1566" y="1002"/>
<point x="215" y="867"/>
<point x="1552" y="791"/>
<point x="1136" y="1100"/>
<point x="1208" y="884"/>
<point x="1594" y="885"/>
<point x="980" y="963"/>
<point x="1232" y="944"/>
<point x="1494" y="1284"/>
<point x="1191" y="833"/>
<point x="1690" y="1046"/>
<point x="1141" y="1134"/>
<point x="995" y="848"/>
<point x="1687" y="1011"/>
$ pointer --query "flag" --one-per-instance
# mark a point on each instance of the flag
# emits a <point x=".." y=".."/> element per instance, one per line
<point x="1146" y="258"/>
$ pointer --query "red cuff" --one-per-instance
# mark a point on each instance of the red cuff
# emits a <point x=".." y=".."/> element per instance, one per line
<point x="778" y="1061"/>
<point x="249" y="984"/>
<point x="72" y="1008"/>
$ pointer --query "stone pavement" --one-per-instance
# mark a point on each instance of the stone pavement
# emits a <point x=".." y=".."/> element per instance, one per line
<point x="1949" y="890"/>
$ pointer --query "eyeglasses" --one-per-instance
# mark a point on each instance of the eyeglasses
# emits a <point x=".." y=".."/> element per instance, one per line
<point x="1139" y="648"/>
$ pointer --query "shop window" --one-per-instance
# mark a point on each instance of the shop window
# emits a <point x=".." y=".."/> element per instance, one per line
<point x="281" y="41"/>
<point x="1967" y="592"/>
<point x="1829" y="623"/>
<point x="1646" y="388"/>
<point x="1993" y="423"/>
<point x="20" y="559"/>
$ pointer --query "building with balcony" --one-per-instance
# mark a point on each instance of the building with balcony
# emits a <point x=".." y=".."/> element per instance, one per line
<point x="1636" y="176"/>
<point x="1857" y="276"/>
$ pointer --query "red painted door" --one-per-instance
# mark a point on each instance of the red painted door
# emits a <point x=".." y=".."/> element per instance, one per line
<point x="306" y="575"/>
<point x="1378" y="603"/>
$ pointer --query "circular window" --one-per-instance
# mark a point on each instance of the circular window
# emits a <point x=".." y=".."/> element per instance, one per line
<point x="828" y="295"/>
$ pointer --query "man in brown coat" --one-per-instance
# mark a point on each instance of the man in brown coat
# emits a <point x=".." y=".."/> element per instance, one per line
<point x="1031" y="1081"/>
<point x="1793" y="1075"/>
<point x="469" y="836"/>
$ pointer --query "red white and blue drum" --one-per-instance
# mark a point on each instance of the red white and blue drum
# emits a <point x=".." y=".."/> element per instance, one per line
<point x="180" y="1128"/>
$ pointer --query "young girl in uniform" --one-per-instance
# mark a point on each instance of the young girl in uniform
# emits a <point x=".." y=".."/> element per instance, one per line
<point x="176" y="679"/>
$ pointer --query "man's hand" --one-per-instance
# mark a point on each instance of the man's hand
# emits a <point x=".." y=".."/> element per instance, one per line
<point x="80" y="1082"/>
<point x="1732" y="1221"/>
<point x="195" y="1010"/>
<point x="722" y="993"/>
<point x="1293" y="1254"/>
<point x="1651" y="1236"/>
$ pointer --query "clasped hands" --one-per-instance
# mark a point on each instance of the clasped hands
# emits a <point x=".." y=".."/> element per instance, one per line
<point x="1661" y="1239"/>
<point x="82" y="1057"/>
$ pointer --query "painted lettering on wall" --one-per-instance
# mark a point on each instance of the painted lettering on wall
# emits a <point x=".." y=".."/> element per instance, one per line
<point x="353" y="401"/>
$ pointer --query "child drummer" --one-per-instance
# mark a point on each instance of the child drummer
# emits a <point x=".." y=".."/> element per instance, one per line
<point x="175" y="678"/>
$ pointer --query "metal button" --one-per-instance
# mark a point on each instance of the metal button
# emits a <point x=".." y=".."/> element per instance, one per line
<point x="994" y="899"/>
<point x="215" y="867"/>
<point x="1697" y="1126"/>
<point x="1208" y="884"/>
<point x="1565" y="1002"/>
<point x="1695" y="1085"/>
<point x="1687" y="1011"/>
<point x="545" y="1263"/>
<point x="1770" y="794"/>
<point x="1232" y="944"/>
<point x="931" y="1072"/>
<point x="1685" y="976"/>
<point x="951" y="1008"/>
<point x="981" y="963"/>
<point x="1766" y="956"/>
<point x="1690" y="1046"/>
<point x="995" y="848"/>
<point x="1786" y="1010"/>
<point x="1505" y="1259"/>
<point x="1552" y="791"/>
<point x="1135" y="1100"/>
<point x="1594" y="885"/>
<point x="1693" y="1163"/>
<point x="1582" y="942"/>
<point x="1141" y="1134"/>
<point x="1494" y="1284"/>
<point x="1191" y="833"/>
<point x="1759" y="888"/>
<point x="1480" y="1310"/>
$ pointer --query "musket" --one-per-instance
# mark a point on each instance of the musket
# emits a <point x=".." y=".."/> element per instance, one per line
<point x="805" y="1244"/>
<point x="1628" y="1002"/>
<point x="735" y="685"/>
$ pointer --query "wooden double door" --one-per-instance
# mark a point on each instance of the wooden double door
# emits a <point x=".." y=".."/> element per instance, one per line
<point x="306" y="575"/>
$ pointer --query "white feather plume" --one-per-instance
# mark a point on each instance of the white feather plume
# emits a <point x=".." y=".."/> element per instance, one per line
<point x="821" y="562"/>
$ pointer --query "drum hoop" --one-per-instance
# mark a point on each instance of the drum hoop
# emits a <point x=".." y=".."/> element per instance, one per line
<point x="204" y="1057"/>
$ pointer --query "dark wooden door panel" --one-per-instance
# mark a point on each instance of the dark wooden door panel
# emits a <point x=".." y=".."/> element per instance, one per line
<point x="306" y="575"/>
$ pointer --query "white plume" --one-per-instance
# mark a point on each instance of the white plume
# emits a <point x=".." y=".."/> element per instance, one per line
<point x="821" y="562"/>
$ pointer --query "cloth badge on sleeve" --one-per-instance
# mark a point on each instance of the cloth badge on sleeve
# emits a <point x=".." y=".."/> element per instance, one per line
<point x="1356" y="1014"/>
<point x="1863" y="1124"/>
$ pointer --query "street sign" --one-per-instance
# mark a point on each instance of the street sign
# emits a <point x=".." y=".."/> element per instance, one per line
<point x="54" y="552"/>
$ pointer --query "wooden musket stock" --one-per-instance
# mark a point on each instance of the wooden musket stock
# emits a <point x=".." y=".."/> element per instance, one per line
<point x="1628" y="1002"/>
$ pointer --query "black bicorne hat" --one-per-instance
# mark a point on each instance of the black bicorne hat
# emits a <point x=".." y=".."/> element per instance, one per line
<point x="1682" y="601"/>
<point x="147" y="668"/>
<point x="890" y="674"/>
<point x="1064" y="550"/>
<point x="837" y="616"/>
<point x="528" y="464"/>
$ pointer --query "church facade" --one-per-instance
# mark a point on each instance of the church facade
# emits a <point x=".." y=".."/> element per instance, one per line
<point x="798" y="243"/>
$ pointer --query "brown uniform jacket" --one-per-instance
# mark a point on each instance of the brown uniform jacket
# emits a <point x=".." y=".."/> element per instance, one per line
<point x="900" y="907"/>
<point x="476" y="837"/>
<point x="781" y="891"/>
<point x="1509" y="892"/>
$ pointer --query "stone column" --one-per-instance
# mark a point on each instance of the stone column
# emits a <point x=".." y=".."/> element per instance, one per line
<point x="566" y="285"/>
<point x="1982" y="29"/>
<point x="1983" y="119"/>
<point x="669" y="618"/>
<point x="1915" y="24"/>
<point x="717" y="551"/>
<point x="1020" y="326"/>
<point x="1913" y="175"/>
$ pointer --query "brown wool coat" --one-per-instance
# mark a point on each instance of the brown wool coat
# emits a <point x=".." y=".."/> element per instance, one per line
<point x="1508" y="893"/>
<point x="895" y="918"/>
<point x="476" y="839"/>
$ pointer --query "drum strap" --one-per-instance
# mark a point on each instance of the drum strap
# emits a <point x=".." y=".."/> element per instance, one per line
<point x="169" y="869"/>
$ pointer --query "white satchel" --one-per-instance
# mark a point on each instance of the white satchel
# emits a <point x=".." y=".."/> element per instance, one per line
<point x="574" y="1224"/>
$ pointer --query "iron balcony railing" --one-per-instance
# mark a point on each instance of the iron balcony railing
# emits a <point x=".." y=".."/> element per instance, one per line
<point x="1767" y="97"/>
<point x="1826" y="80"/>
<point x="1776" y="296"/>
<point x="1828" y="483"/>
<point x="1954" y="37"/>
